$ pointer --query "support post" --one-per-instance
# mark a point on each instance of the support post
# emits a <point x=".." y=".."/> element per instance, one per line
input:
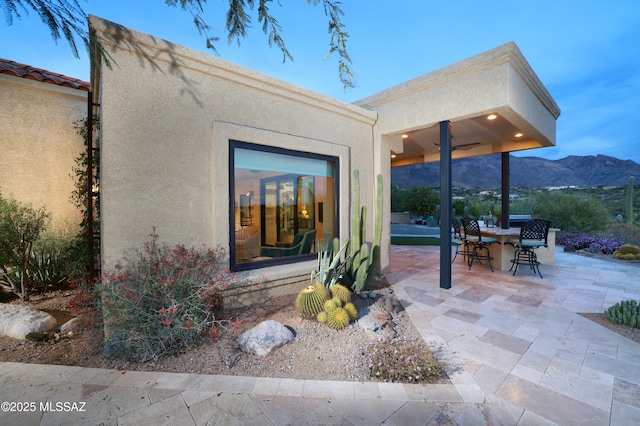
<point x="505" y="191"/>
<point x="445" y="204"/>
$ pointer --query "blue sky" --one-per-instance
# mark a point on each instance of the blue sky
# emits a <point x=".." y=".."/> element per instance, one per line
<point x="587" y="53"/>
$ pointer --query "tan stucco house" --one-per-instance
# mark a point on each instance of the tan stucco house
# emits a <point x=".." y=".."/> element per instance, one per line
<point x="209" y="152"/>
<point x="38" y="140"/>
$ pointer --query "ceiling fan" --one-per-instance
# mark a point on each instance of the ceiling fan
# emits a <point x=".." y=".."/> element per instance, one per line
<point x="461" y="146"/>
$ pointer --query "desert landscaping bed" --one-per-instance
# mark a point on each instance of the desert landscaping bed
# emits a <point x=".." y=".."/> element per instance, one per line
<point x="317" y="353"/>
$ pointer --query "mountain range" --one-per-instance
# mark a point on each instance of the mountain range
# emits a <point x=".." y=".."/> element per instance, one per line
<point x="531" y="172"/>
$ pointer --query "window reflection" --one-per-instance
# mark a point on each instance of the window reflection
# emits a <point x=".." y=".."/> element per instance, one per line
<point x="283" y="203"/>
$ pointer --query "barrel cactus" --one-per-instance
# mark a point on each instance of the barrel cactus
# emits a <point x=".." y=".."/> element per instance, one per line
<point x="352" y="311"/>
<point x="627" y="252"/>
<point x="341" y="292"/>
<point x="330" y="305"/>
<point x="338" y="318"/>
<point x="322" y="317"/>
<point x="310" y="301"/>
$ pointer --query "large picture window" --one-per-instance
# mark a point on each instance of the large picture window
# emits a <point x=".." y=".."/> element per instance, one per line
<point x="282" y="203"/>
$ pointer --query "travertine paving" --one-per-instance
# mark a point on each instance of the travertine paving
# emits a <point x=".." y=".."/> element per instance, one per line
<point x="516" y="349"/>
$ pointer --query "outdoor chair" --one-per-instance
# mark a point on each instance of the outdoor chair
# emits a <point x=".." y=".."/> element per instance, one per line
<point x="304" y="245"/>
<point x="479" y="245"/>
<point x="460" y="241"/>
<point x="533" y="234"/>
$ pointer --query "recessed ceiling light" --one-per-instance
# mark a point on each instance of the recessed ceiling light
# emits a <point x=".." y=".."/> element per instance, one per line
<point x="492" y="117"/>
<point x="393" y="156"/>
<point x="404" y="136"/>
<point x="519" y="135"/>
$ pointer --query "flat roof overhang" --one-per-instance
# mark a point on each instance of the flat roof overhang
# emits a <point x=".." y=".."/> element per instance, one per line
<point x="499" y="82"/>
<point x="490" y="103"/>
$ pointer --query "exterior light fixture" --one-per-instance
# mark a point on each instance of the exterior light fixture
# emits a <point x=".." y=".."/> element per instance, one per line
<point x="492" y="116"/>
<point x="404" y="136"/>
<point x="518" y="135"/>
<point x="393" y="156"/>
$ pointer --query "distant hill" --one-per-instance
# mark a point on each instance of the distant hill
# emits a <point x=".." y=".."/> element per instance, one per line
<point x="533" y="172"/>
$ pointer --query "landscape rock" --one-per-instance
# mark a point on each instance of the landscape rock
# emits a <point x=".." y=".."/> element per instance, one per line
<point x="378" y="323"/>
<point x="265" y="337"/>
<point x="74" y="325"/>
<point x="17" y="321"/>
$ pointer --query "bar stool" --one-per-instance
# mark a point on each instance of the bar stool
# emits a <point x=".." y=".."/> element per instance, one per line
<point x="478" y="243"/>
<point x="533" y="234"/>
<point x="460" y="240"/>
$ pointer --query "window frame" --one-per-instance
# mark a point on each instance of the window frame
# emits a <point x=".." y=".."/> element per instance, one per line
<point x="245" y="266"/>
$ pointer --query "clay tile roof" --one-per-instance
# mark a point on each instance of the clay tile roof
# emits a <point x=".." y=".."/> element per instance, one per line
<point x="31" y="73"/>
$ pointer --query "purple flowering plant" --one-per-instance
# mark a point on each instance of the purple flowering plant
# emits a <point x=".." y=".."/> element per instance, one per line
<point x="580" y="240"/>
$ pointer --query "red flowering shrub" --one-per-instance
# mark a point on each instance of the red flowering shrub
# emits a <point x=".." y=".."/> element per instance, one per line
<point x="85" y="302"/>
<point x="160" y="300"/>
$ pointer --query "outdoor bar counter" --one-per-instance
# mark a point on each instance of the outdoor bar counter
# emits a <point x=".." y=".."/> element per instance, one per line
<point x="503" y="253"/>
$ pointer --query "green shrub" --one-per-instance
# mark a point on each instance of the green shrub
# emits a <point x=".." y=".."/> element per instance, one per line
<point x="418" y="200"/>
<point x="20" y="227"/>
<point x="52" y="260"/>
<point x="403" y="362"/>
<point x="160" y="300"/>
<point x="629" y="233"/>
<point x="572" y="211"/>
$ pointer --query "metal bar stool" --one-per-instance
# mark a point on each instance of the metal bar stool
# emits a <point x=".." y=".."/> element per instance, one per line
<point x="533" y="234"/>
<point x="477" y="242"/>
<point x="460" y="240"/>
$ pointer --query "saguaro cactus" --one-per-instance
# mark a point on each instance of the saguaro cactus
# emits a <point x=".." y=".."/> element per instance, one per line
<point x="363" y="258"/>
<point x="629" y="204"/>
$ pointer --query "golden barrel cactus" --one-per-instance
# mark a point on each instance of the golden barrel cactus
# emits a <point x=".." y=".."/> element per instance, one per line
<point x="310" y="301"/>
<point x="341" y="292"/>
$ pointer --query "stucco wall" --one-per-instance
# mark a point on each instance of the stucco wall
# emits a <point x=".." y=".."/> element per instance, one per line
<point x="38" y="144"/>
<point x="167" y="115"/>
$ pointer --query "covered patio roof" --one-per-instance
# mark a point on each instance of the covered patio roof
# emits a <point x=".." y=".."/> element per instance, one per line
<point x="488" y="104"/>
<point x="499" y="83"/>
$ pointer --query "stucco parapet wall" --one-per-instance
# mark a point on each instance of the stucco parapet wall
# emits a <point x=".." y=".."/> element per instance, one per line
<point x="152" y="49"/>
<point x="508" y="53"/>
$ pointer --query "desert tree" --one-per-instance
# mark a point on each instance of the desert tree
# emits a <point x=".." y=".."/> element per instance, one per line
<point x="67" y="19"/>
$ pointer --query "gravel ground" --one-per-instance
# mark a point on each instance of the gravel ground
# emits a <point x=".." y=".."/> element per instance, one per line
<point x="317" y="353"/>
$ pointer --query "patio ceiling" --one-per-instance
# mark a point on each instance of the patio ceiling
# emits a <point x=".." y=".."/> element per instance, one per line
<point x="486" y="134"/>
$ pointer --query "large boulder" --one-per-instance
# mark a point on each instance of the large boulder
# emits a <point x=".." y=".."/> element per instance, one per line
<point x="17" y="321"/>
<point x="265" y="337"/>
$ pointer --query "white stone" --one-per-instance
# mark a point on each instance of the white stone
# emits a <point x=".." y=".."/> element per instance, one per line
<point x="265" y="337"/>
<point x="17" y="321"/>
<point x="74" y="325"/>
